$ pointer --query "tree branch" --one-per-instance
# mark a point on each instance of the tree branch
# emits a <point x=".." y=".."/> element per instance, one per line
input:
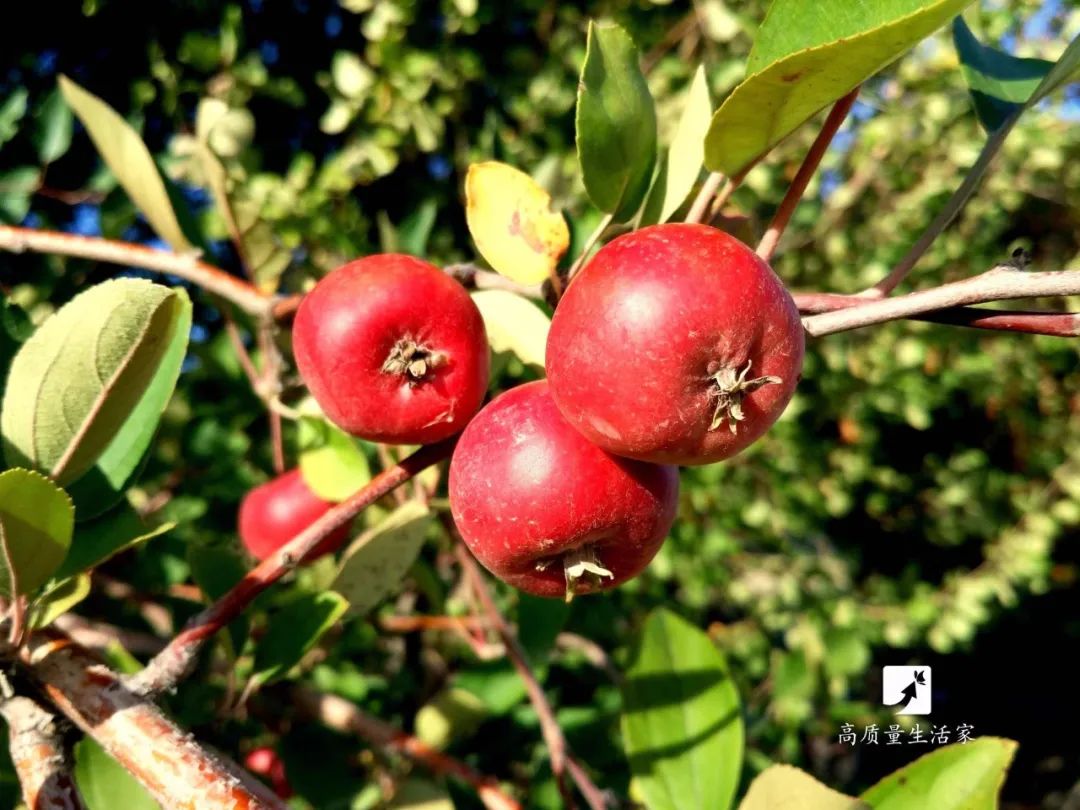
<point x="175" y="770"/>
<point x="341" y="715"/>
<point x="173" y="663"/>
<point x="956" y="202"/>
<point x="1054" y="324"/>
<point x="704" y="197"/>
<point x="37" y="751"/>
<point x="1001" y="283"/>
<point x="767" y="246"/>
<point x="561" y="761"/>
<point x="188" y="267"/>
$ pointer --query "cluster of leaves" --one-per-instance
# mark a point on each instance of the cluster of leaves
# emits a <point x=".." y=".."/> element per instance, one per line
<point x="919" y="483"/>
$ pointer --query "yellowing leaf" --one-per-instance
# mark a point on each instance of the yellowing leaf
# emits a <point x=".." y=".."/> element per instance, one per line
<point x="125" y="153"/>
<point x="783" y="787"/>
<point x="687" y="153"/>
<point x="511" y="221"/>
<point x="514" y="325"/>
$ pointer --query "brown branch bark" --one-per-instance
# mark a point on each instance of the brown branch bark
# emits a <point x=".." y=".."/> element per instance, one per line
<point x="173" y="663"/>
<point x="176" y="771"/>
<point x="561" y="760"/>
<point x="1054" y="324"/>
<point x="341" y="715"/>
<point x="767" y="246"/>
<point x="37" y="751"/>
<point x="210" y="278"/>
<point x="1000" y="283"/>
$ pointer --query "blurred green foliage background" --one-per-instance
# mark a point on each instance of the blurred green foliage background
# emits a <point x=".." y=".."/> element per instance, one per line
<point x="918" y="502"/>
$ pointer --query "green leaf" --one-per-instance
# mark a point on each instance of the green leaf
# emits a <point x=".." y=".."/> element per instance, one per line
<point x="964" y="776"/>
<point x="104" y="784"/>
<point x="687" y="152"/>
<point x="783" y="787"/>
<point x="514" y="324"/>
<point x="453" y="714"/>
<point x="805" y="57"/>
<point x="334" y="467"/>
<point x="11" y="113"/>
<point x="98" y="540"/>
<point x="58" y="600"/>
<point x="415" y="230"/>
<point x="52" y="134"/>
<point x="104" y="484"/>
<point x="17" y="186"/>
<point x="73" y="385"/>
<point x="293" y="630"/>
<point x="419" y="794"/>
<point x="1066" y="70"/>
<point x="681" y="722"/>
<point x="36" y="523"/>
<point x="615" y="123"/>
<point x="376" y="562"/>
<point x="125" y="153"/>
<point x="216" y="569"/>
<point x="1000" y="83"/>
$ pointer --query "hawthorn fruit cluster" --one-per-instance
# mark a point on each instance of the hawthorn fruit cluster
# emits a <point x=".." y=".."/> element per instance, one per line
<point x="675" y="345"/>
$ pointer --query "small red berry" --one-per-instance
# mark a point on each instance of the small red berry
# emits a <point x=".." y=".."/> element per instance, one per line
<point x="676" y="344"/>
<point x="393" y="350"/>
<point x="266" y="763"/>
<point x="273" y="513"/>
<point x="548" y="511"/>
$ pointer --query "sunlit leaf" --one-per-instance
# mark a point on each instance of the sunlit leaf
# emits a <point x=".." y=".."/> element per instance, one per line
<point x="805" y="57"/>
<point x="514" y="324"/>
<point x="782" y="787"/>
<point x="615" y="123"/>
<point x="74" y="384"/>
<point x="104" y="783"/>
<point x="682" y="723"/>
<point x="58" y="600"/>
<point x="510" y="219"/>
<point x="961" y="776"/>
<point x="36" y="524"/>
<point x="687" y="151"/>
<point x="125" y="153"/>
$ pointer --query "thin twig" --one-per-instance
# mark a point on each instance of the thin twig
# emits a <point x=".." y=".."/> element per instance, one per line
<point x="1054" y="324"/>
<point x="590" y="243"/>
<point x="704" y="197"/>
<point x="767" y="246"/>
<point x="39" y="756"/>
<point x="188" y="267"/>
<point x="473" y="277"/>
<point x="561" y="761"/>
<point x="178" y="772"/>
<point x="341" y="715"/>
<point x="956" y="202"/>
<point x="998" y="284"/>
<point x="242" y="353"/>
<point x="174" y="662"/>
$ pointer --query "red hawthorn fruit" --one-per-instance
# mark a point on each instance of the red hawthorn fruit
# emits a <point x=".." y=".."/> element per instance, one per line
<point x="273" y="513"/>
<point x="266" y="763"/>
<point x="393" y="350"/>
<point x="549" y="512"/>
<point x="677" y="344"/>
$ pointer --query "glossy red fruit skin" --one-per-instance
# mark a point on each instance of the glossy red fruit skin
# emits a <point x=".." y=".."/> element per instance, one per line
<point x="347" y="327"/>
<point x="525" y="488"/>
<point x="265" y="762"/>
<point x="640" y="332"/>
<point x="273" y="513"/>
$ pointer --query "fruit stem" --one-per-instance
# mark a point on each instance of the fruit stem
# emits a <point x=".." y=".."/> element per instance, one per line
<point x="730" y="390"/>
<point x="413" y="360"/>
<point x="578" y="565"/>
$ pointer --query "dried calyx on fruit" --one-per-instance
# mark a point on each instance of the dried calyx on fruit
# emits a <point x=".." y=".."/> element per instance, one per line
<point x="691" y="312"/>
<point x="393" y="350"/>
<point x="546" y="510"/>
